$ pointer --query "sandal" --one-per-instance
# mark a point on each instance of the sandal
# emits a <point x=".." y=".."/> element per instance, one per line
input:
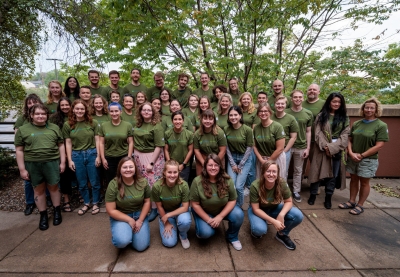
<point x="82" y="211"/>
<point x="347" y="205"/>
<point x="95" y="210"/>
<point x="81" y="199"/>
<point x="66" y="207"/>
<point x="356" y="211"/>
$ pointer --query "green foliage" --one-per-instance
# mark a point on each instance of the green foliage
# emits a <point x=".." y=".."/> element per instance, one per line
<point x="8" y="163"/>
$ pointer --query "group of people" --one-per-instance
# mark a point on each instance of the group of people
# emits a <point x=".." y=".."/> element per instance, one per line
<point x="134" y="147"/>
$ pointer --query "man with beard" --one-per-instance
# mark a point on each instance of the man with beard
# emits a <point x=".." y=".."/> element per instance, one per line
<point x="277" y="88"/>
<point x="114" y="80"/>
<point x="205" y="88"/>
<point x="135" y="86"/>
<point x="183" y="92"/>
<point x="94" y="79"/>
<point x="154" y="92"/>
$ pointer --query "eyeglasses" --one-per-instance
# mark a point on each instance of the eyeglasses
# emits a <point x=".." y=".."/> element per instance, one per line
<point x="263" y="112"/>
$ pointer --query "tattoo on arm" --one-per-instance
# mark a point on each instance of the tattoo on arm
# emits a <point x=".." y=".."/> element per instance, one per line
<point x="36" y="199"/>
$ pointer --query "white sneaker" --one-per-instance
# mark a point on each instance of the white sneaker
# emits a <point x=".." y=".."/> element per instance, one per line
<point x="237" y="245"/>
<point x="185" y="243"/>
<point x="246" y="191"/>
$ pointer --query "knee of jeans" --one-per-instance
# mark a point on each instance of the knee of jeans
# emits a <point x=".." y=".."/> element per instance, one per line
<point x="205" y="233"/>
<point x="169" y="242"/>
<point x="140" y="247"/>
<point x="294" y="215"/>
<point x="237" y="215"/>
<point x="259" y="230"/>
<point x="121" y="241"/>
<point x="184" y="222"/>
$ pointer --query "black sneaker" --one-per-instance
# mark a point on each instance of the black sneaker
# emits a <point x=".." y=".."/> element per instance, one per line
<point x="29" y="209"/>
<point x="254" y="236"/>
<point x="286" y="241"/>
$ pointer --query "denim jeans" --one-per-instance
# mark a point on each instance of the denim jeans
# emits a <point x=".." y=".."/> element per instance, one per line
<point x="122" y="233"/>
<point x="288" y="155"/>
<point x="235" y="218"/>
<point x="239" y="179"/>
<point x="251" y="177"/>
<point x="85" y="170"/>
<point x="181" y="223"/>
<point x="258" y="226"/>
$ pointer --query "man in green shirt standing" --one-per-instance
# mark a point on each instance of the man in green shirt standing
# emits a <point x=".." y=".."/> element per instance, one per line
<point x="113" y="75"/>
<point x="154" y="92"/>
<point x="205" y="88"/>
<point x="94" y="79"/>
<point x="277" y="88"/>
<point x="135" y="86"/>
<point x="301" y="146"/>
<point x="183" y="92"/>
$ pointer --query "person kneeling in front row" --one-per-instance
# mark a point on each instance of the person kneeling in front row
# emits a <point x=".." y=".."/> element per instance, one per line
<point x="266" y="197"/>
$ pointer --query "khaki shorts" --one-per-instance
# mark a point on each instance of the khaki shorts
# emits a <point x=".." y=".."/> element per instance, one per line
<point x="366" y="168"/>
<point x="43" y="172"/>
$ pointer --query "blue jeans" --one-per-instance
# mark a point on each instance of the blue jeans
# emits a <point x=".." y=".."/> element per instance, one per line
<point x="258" y="226"/>
<point x="240" y="179"/>
<point x="251" y="177"/>
<point x="288" y="155"/>
<point x="235" y="218"/>
<point x="181" y="223"/>
<point x="122" y="233"/>
<point x="86" y="170"/>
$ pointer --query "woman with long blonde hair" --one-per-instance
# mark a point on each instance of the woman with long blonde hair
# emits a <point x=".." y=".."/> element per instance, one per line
<point x="54" y="95"/>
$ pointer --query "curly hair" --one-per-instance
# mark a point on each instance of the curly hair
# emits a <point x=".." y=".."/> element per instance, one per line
<point x="251" y="108"/>
<point x="58" y="117"/>
<point x="227" y="95"/>
<point x="221" y="178"/>
<point x="222" y="88"/>
<point x="137" y="177"/>
<point x="30" y="98"/>
<point x="378" y="110"/>
<point x="49" y="96"/>
<point x="262" y="193"/>
<point x="72" y="117"/>
<point x="178" y="180"/>
<point x="38" y="106"/>
<point x="155" y="118"/>
<point x="105" y="104"/>
<point x="67" y="89"/>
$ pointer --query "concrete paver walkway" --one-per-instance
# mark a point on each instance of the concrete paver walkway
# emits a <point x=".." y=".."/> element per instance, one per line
<point x="329" y="243"/>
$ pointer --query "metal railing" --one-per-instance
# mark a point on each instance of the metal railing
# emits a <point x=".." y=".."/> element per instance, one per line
<point x="7" y="132"/>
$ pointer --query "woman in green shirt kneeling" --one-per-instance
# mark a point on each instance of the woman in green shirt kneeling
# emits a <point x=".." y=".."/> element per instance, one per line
<point x="271" y="202"/>
<point x="127" y="204"/>
<point x="213" y="198"/>
<point x="171" y="195"/>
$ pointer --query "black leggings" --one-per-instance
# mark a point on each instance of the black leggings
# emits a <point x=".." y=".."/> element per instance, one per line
<point x="111" y="172"/>
<point x="329" y="183"/>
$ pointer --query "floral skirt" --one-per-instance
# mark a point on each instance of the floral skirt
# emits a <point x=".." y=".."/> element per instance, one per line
<point x="143" y="159"/>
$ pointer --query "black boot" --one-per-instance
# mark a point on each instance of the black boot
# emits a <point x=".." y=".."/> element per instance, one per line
<point x="57" y="218"/>
<point x="328" y="203"/>
<point x="44" y="221"/>
<point x="311" y="200"/>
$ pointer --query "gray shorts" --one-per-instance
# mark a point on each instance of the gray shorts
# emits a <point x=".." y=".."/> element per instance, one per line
<point x="366" y="168"/>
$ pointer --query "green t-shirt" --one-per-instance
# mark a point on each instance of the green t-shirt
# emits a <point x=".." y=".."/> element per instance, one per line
<point x="208" y="143"/>
<point x="154" y="92"/>
<point x="365" y="135"/>
<point x="131" y="118"/>
<point x="165" y="110"/>
<point x="167" y="124"/>
<point x="178" y="144"/>
<point x="171" y="198"/>
<point x="101" y="119"/>
<point x="239" y="139"/>
<point x="213" y="205"/>
<point x="251" y="119"/>
<point x="52" y="107"/>
<point x="21" y="120"/>
<point x="288" y="123"/>
<point x="40" y="142"/>
<point x="255" y="188"/>
<point x="304" y="119"/>
<point x="200" y="92"/>
<point x="82" y="136"/>
<point x="265" y="137"/>
<point x="147" y="137"/>
<point x="339" y="128"/>
<point x="107" y="91"/>
<point x="133" y="197"/>
<point x="190" y="115"/>
<point x="222" y="120"/>
<point x="235" y="98"/>
<point x="182" y="96"/>
<point x="271" y="101"/>
<point x="99" y="90"/>
<point x="130" y="88"/>
<point x="116" y="138"/>
<point x="315" y="109"/>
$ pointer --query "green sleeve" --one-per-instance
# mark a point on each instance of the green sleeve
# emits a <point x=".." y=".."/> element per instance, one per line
<point x="190" y="138"/>
<point x="159" y="136"/>
<point x="66" y="130"/>
<point x="129" y="129"/>
<point x="96" y="127"/>
<point x="285" y="190"/>
<point x="147" y="191"/>
<point x="221" y="138"/>
<point x="185" y="192"/>
<point x="254" y="198"/>
<point x="101" y="131"/>
<point x="196" y="144"/>
<point x="189" y="124"/>
<point x="155" y="192"/>
<point x="194" y="193"/>
<point x="111" y="193"/>
<point x="249" y="137"/>
<point x="18" y="139"/>
<point x="280" y="133"/>
<point x="232" y="190"/>
<point x="382" y="132"/>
